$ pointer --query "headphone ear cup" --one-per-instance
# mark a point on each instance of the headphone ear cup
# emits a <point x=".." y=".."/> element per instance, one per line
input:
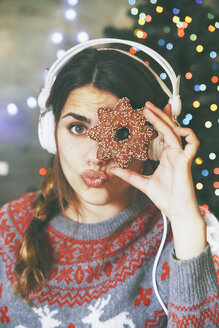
<point x="46" y="131"/>
<point x="156" y="148"/>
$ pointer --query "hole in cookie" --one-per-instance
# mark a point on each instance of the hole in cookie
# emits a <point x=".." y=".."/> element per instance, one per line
<point x="122" y="133"/>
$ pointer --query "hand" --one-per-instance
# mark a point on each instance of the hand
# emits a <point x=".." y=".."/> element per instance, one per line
<point x="170" y="187"/>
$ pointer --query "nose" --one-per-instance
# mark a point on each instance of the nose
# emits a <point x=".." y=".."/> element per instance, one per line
<point x="92" y="155"/>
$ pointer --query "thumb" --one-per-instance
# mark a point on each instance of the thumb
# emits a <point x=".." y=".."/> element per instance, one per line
<point x="133" y="178"/>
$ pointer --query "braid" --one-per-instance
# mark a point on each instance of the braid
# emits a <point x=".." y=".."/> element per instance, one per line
<point x="34" y="256"/>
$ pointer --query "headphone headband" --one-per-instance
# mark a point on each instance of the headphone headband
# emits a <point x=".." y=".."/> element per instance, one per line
<point x="60" y="62"/>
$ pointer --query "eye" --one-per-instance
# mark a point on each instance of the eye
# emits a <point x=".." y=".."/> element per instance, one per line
<point x="77" y="129"/>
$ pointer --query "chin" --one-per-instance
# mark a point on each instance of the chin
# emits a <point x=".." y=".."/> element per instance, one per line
<point x="95" y="197"/>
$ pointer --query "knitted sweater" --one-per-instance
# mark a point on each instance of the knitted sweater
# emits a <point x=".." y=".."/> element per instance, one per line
<point x="102" y="274"/>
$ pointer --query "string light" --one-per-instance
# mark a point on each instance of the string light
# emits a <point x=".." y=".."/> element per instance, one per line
<point x="208" y="124"/>
<point x="199" y="48"/>
<point x="216" y="184"/>
<point x="213" y="107"/>
<point x="31" y="102"/>
<point x="175" y="19"/>
<point x="199" y="186"/>
<point x="181" y="32"/>
<point x="142" y="15"/>
<point x="161" y="42"/>
<point x="176" y="11"/>
<point x="141" y="21"/>
<point x="205" y="173"/>
<point x="60" y="53"/>
<point x="4" y="168"/>
<point x="132" y="51"/>
<point x="189" y="116"/>
<point x="211" y="28"/>
<point x="169" y="46"/>
<point x="134" y="11"/>
<point x="82" y="36"/>
<point x="153" y="2"/>
<point x="159" y="9"/>
<point x="12" y="109"/>
<point x="43" y="171"/>
<point x="196" y="104"/>
<point x="199" y="160"/>
<point x="148" y="18"/>
<point x="163" y="76"/>
<point x="213" y="54"/>
<point x="210" y="16"/>
<point x="132" y="2"/>
<point x="217" y="192"/>
<point x="203" y="87"/>
<point x="216" y="170"/>
<point x="212" y="156"/>
<point x="188" y="75"/>
<point x="188" y="19"/>
<point x="70" y="14"/>
<point x="57" y="37"/>
<point x="214" y="79"/>
<point x="166" y="29"/>
<point x="216" y="24"/>
<point x="193" y="37"/>
<point x="197" y="87"/>
<point x="72" y="2"/>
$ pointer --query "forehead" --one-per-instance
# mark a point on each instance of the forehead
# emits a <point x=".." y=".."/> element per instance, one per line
<point x="85" y="101"/>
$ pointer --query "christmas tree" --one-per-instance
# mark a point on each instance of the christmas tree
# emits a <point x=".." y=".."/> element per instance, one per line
<point x="185" y="33"/>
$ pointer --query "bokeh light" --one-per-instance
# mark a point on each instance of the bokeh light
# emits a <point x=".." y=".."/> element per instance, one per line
<point x="213" y="54"/>
<point x="212" y="156"/>
<point x="57" y="37"/>
<point x="205" y="173"/>
<point x="70" y="14"/>
<point x="159" y="9"/>
<point x="213" y="107"/>
<point x="12" y="109"/>
<point x="72" y="2"/>
<point x="211" y="28"/>
<point x="188" y="19"/>
<point x="188" y="75"/>
<point x="199" y="186"/>
<point x="43" y="171"/>
<point x="82" y="36"/>
<point x="214" y="79"/>
<point x="134" y="11"/>
<point x="199" y="48"/>
<point x="196" y="104"/>
<point x="31" y="102"/>
<point x="216" y="170"/>
<point x="193" y="37"/>
<point x="199" y="160"/>
<point x="208" y="124"/>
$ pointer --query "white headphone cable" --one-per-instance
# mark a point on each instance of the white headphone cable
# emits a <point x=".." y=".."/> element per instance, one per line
<point x="157" y="260"/>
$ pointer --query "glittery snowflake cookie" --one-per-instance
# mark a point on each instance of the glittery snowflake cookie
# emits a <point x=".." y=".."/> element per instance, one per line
<point x="122" y="133"/>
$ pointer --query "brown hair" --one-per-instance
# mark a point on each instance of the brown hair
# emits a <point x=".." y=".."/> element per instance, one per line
<point x="105" y="70"/>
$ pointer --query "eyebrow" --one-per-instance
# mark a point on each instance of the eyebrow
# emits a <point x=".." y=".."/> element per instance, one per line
<point x="78" y="117"/>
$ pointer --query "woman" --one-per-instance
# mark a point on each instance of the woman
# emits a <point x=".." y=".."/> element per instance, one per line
<point x="87" y="241"/>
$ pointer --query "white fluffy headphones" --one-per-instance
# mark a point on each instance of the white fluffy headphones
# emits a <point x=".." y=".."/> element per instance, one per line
<point x="46" y="127"/>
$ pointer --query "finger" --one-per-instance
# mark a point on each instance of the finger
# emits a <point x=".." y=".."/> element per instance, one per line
<point x="165" y="115"/>
<point x="191" y="139"/>
<point x="133" y="178"/>
<point x="170" y="137"/>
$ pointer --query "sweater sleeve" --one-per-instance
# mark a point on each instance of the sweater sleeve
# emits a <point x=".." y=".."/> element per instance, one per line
<point x="194" y="293"/>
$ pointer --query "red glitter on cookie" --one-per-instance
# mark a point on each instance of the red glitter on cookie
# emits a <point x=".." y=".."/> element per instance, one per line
<point x="122" y="133"/>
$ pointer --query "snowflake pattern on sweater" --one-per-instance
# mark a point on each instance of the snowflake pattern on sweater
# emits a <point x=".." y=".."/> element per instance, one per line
<point x="102" y="275"/>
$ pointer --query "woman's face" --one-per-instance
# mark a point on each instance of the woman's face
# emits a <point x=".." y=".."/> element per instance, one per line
<point x="78" y="152"/>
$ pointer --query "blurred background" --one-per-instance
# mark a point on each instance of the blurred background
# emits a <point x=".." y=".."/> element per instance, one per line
<point x="34" y="33"/>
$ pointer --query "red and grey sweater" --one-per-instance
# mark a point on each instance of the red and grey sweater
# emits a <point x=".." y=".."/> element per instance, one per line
<point x="102" y="274"/>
